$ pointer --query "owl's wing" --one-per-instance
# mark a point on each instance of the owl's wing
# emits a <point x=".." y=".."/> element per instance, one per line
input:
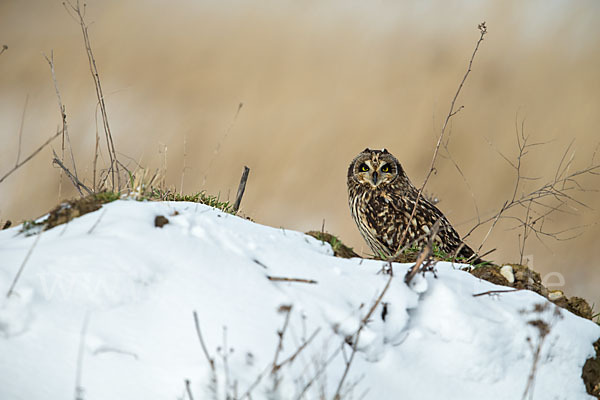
<point x="419" y="227"/>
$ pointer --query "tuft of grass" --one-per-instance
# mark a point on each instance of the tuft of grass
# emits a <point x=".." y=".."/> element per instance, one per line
<point x="156" y="194"/>
<point x="339" y="248"/>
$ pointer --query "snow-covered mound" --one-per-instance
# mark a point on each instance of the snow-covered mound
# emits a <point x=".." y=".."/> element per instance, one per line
<point x="104" y="310"/>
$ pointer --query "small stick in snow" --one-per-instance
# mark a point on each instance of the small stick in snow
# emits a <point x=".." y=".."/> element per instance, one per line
<point x="211" y="361"/>
<point x="363" y="323"/>
<point x="14" y="282"/>
<point x="188" y="389"/>
<point x="288" y="311"/>
<point x="78" y="388"/>
<point x="285" y="279"/>
<point x="241" y="189"/>
<point x="302" y="347"/>
<point x="97" y="221"/>
<point x="490" y="292"/>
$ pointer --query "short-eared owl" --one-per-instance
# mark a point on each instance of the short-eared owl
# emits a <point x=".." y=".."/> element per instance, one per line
<point x="382" y="199"/>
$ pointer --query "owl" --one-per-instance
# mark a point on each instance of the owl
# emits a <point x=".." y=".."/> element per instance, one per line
<point x="382" y="198"/>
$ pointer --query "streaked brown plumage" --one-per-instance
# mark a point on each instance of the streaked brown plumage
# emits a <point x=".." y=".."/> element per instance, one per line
<point x="382" y="199"/>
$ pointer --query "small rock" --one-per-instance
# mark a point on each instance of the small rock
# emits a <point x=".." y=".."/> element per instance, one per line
<point x="160" y="221"/>
<point x="507" y="272"/>
<point x="555" y="295"/>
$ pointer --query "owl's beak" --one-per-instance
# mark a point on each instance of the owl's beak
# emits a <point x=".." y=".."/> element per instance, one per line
<point x="375" y="178"/>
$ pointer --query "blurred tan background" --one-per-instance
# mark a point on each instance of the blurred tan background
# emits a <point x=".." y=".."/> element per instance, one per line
<point x="319" y="82"/>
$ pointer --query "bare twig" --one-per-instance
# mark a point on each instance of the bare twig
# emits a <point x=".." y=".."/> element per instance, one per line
<point x="16" y="167"/>
<point x="79" y="13"/>
<point x="21" y="129"/>
<point x="285" y="279"/>
<point x="97" y="221"/>
<point x="423" y="259"/>
<point x="4" y="48"/>
<point x="280" y="334"/>
<point x="188" y="389"/>
<point x="220" y="142"/>
<point x="356" y="337"/>
<point x="22" y="267"/>
<point x="63" y="116"/>
<point x="210" y="360"/>
<point x="491" y="292"/>
<point x="241" y="189"/>
<point x="452" y="112"/>
<point x="531" y="209"/>
<point x="543" y="330"/>
<point x="319" y="372"/>
<point x="76" y="182"/>
<point x="291" y="358"/>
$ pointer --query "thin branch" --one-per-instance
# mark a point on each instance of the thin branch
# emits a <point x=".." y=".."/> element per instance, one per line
<point x="21" y="129"/>
<point x="285" y="279"/>
<point x="4" y="48"/>
<point x="210" y="360"/>
<point x="490" y="292"/>
<point x="76" y="182"/>
<point x="97" y="221"/>
<point x="63" y="116"/>
<point x="16" y="167"/>
<point x="220" y="142"/>
<point x="280" y="334"/>
<point x="291" y="358"/>
<point x="80" y="14"/>
<point x="355" y="339"/>
<point x="22" y="267"/>
<point x="452" y="112"/>
<point x="188" y="389"/>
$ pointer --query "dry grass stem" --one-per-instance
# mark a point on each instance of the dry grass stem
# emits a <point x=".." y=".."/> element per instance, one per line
<point x="22" y="267"/>
<point x="452" y="112"/>
<point x="35" y="152"/>
<point x="210" y="360"/>
<point x="76" y="182"/>
<point x="188" y="389"/>
<point x="286" y="279"/>
<point x="78" y="14"/>
<point x="356" y="337"/>
<point x="492" y="292"/>
<point x="21" y="129"/>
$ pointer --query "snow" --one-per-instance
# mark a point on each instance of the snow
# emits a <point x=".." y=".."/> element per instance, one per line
<point x="123" y="291"/>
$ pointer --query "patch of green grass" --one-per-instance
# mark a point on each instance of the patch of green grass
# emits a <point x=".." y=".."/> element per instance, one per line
<point x="437" y="253"/>
<point x="339" y="248"/>
<point x="106" y="197"/>
<point x="31" y="227"/>
<point x="200" y="197"/>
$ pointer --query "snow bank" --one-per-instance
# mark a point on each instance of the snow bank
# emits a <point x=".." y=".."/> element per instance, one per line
<point x="108" y="314"/>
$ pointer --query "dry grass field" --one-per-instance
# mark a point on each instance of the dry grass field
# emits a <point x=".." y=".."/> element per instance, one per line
<point x="319" y="82"/>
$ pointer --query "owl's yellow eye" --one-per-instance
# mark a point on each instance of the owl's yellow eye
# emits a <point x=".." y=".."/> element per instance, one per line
<point x="363" y="168"/>
<point x="385" y="168"/>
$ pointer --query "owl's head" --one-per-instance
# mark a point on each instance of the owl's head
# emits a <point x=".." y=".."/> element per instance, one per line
<point x="374" y="168"/>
